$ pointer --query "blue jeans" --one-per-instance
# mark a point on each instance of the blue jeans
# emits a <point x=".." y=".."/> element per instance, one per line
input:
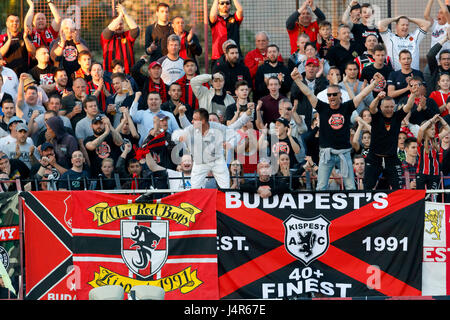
<point x="325" y="169"/>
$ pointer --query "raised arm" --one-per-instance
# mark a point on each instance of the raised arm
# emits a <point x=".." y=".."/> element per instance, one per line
<point x="383" y="24"/>
<point x="368" y="89"/>
<point x="214" y="11"/>
<point x="422" y="23"/>
<point x="297" y="78"/>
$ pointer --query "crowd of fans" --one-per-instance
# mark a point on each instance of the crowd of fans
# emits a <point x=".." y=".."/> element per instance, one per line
<point x="351" y="112"/>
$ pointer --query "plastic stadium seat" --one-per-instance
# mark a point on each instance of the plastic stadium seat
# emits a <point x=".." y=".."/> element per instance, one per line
<point x="147" y="292"/>
<point x="111" y="292"/>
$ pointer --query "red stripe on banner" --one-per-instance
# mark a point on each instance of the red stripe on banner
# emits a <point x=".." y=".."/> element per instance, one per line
<point x="253" y="270"/>
<point x="359" y="270"/>
<point x="368" y="214"/>
<point x="255" y="218"/>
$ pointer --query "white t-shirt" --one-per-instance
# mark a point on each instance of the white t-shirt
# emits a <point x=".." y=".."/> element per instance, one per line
<point x="438" y="32"/>
<point x="172" y="70"/>
<point x="10" y="82"/>
<point x="394" y="44"/>
<point x="177" y="184"/>
<point x="10" y="150"/>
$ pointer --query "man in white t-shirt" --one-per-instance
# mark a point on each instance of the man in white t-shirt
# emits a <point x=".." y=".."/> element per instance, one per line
<point x="172" y="63"/>
<point x="402" y="39"/>
<point x="10" y="80"/>
<point x="440" y="24"/>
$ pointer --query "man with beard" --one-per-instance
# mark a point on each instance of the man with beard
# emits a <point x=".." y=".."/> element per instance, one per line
<point x="104" y="143"/>
<point x="272" y="67"/>
<point x="118" y="43"/>
<point x="224" y="25"/>
<point x="256" y="57"/>
<point x="233" y="68"/>
<point x="59" y="85"/>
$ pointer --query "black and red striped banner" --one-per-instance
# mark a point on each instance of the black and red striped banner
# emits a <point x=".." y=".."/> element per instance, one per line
<point x="338" y="244"/>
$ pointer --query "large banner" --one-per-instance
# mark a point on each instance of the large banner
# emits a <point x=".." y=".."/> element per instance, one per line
<point x="10" y="267"/>
<point x="436" y="244"/>
<point x="324" y="244"/>
<point x="169" y="243"/>
<point x="48" y="245"/>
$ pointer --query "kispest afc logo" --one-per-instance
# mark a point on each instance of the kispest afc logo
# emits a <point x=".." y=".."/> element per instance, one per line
<point x="306" y="239"/>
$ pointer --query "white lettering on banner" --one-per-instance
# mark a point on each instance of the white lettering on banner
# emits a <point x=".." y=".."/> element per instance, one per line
<point x="324" y="201"/>
<point x="306" y="280"/>
<point x="61" y="296"/>
<point x="227" y="243"/>
<point x="292" y="289"/>
<point x="8" y="233"/>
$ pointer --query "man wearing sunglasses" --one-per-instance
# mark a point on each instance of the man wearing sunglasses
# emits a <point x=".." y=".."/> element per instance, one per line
<point x="334" y="138"/>
<point x="224" y="25"/>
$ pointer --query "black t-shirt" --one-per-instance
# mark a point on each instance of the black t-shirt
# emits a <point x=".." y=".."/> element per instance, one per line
<point x="335" y="125"/>
<point x="360" y="33"/>
<point x="283" y="146"/>
<point x="384" y="133"/>
<point x="43" y="76"/>
<point x="106" y="149"/>
<point x="68" y="103"/>
<point x="368" y="73"/>
<point x="398" y="79"/>
<point x="77" y="180"/>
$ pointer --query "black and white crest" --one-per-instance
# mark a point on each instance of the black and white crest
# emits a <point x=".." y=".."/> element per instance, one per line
<point x="306" y="239"/>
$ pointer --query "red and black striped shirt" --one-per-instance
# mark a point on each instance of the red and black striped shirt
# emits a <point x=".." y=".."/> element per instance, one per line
<point x="429" y="162"/>
<point x="187" y="96"/>
<point x="159" y="87"/>
<point x="90" y="89"/>
<point x="118" y="46"/>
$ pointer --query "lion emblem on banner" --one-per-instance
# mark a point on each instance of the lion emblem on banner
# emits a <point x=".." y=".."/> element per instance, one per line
<point x="434" y="216"/>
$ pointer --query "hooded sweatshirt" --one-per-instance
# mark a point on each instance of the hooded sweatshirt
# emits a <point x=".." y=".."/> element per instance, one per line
<point x="64" y="144"/>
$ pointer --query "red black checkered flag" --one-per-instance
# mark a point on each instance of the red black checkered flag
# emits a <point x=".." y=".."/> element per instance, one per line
<point x="338" y="244"/>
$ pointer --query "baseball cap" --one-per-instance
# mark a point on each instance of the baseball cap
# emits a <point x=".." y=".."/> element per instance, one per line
<point x="22" y="126"/>
<point x="97" y="118"/>
<point x="154" y="64"/>
<point x="284" y="121"/>
<point x="161" y="115"/>
<point x="313" y="61"/>
<point x="46" y="145"/>
<point x="14" y="119"/>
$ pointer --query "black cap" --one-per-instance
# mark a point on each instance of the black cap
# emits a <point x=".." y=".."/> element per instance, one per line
<point x="97" y="118"/>
<point x="284" y="121"/>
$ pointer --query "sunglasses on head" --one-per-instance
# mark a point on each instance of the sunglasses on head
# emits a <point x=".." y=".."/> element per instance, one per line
<point x="333" y="94"/>
<point x="224" y="3"/>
